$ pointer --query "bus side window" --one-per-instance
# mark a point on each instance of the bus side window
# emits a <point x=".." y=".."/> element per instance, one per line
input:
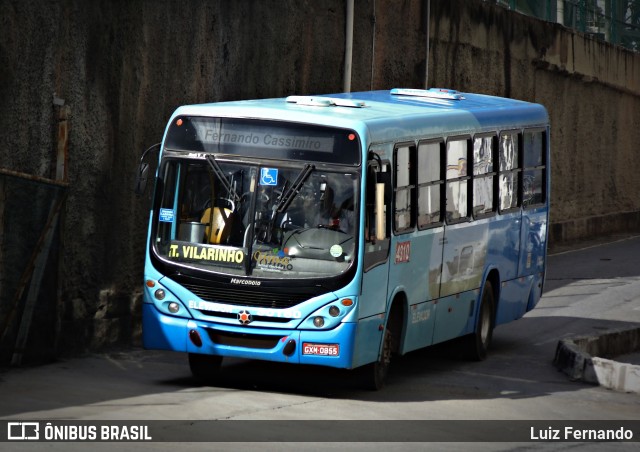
<point x="377" y="225"/>
<point x="457" y="180"/>
<point x="430" y="183"/>
<point x="509" y="170"/>
<point x="485" y="181"/>
<point x="404" y="188"/>
<point x="534" y="182"/>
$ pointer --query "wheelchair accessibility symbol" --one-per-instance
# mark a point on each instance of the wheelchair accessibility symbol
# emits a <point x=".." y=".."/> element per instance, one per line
<point x="269" y="176"/>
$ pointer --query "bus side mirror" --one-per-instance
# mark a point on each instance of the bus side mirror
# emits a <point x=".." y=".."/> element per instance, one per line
<point x="142" y="175"/>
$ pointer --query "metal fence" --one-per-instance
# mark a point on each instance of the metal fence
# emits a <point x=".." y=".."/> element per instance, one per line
<point x="30" y="249"/>
<point x="614" y="21"/>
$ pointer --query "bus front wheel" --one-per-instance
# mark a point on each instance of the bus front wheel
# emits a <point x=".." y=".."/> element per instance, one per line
<point x="478" y="342"/>
<point x="373" y="376"/>
<point x="204" y="368"/>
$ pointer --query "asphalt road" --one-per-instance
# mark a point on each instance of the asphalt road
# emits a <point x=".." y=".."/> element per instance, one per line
<point x="587" y="291"/>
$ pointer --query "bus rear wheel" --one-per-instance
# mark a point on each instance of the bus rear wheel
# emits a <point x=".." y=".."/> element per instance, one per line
<point x="478" y="342"/>
<point x="204" y="368"/>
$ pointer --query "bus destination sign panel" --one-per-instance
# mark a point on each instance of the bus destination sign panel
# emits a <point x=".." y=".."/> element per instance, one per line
<point x="264" y="139"/>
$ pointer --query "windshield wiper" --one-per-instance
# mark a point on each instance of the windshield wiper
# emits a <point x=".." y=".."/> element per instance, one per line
<point x="288" y="193"/>
<point x="292" y="191"/>
<point x="221" y="176"/>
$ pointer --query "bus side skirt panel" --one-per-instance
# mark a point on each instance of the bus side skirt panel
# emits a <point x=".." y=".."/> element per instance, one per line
<point x="455" y="316"/>
<point x="536" y="291"/>
<point x="420" y="323"/>
<point x="514" y="297"/>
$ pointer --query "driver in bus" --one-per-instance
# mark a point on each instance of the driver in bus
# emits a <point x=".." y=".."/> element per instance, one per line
<point x="333" y="217"/>
<point x="325" y="216"/>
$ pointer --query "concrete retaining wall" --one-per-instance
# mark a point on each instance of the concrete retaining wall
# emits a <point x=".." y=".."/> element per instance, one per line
<point x="122" y="67"/>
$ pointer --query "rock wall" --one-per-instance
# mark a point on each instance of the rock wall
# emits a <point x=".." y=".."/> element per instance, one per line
<point x="591" y="90"/>
<point x="122" y="67"/>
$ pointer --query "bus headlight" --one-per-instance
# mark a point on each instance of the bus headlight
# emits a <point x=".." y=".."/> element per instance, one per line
<point x="331" y="315"/>
<point x="164" y="299"/>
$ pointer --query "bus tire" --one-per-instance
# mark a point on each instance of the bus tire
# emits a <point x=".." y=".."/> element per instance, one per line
<point x="374" y="376"/>
<point x="204" y="368"/>
<point x="478" y="342"/>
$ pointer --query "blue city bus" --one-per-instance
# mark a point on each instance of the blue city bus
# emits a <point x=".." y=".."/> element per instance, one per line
<point x="340" y="230"/>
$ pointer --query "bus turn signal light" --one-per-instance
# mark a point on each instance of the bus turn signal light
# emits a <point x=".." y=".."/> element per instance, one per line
<point x="347" y="302"/>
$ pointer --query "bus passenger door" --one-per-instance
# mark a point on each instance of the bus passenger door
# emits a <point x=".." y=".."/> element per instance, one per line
<point x="416" y="251"/>
<point x="464" y="251"/>
<point x="375" y="277"/>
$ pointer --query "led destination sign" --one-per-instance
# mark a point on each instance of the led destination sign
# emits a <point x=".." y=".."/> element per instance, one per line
<point x="264" y="139"/>
<point x="261" y="139"/>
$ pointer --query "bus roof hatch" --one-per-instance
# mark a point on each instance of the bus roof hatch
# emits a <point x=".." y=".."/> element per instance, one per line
<point x="439" y="93"/>
<point x="325" y="101"/>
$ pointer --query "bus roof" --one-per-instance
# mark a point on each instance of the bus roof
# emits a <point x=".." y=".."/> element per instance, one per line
<point x="382" y="116"/>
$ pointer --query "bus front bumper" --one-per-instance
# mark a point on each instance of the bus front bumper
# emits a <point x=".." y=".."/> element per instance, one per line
<point x="332" y="348"/>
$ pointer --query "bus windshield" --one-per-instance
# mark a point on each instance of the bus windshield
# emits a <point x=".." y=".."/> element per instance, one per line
<point x="281" y="220"/>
